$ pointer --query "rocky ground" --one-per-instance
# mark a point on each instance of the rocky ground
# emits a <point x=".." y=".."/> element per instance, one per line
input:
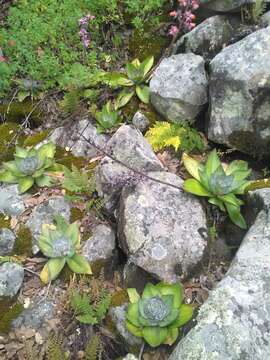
<point x="141" y="225"/>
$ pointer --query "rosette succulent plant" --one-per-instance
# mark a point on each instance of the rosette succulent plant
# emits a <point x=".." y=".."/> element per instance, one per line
<point x="107" y="118"/>
<point x="158" y="314"/>
<point x="30" y="166"/>
<point x="220" y="183"/>
<point x="61" y="243"/>
<point x="137" y="75"/>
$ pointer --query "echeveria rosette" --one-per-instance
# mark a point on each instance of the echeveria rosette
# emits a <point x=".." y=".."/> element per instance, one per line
<point x="30" y="166"/>
<point x="61" y="243"/>
<point x="158" y="314"/>
<point x="220" y="183"/>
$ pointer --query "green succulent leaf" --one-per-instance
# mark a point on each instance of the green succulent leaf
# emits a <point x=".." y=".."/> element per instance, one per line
<point x="44" y="181"/>
<point x="123" y="98"/>
<point x="155" y="336"/>
<point x="147" y="65"/>
<point x="136" y="331"/>
<point x="8" y="177"/>
<point x="143" y="93"/>
<point x="150" y="290"/>
<point x="47" y="151"/>
<point x="73" y="233"/>
<point x="217" y="202"/>
<point x="212" y="163"/>
<point x="134" y="72"/>
<point x="117" y="79"/>
<point x="193" y="186"/>
<point x="133" y="314"/>
<point x="175" y="290"/>
<point x="78" y="264"/>
<point x="184" y="315"/>
<point x="235" y="215"/>
<point x="25" y="184"/>
<point x="12" y="168"/>
<point x="231" y="199"/>
<point x="238" y="166"/>
<point x="52" y="269"/>
<point x="172" y="336"/>
<point x="192" y="166"/>
<point x="21" y="152"/>
<point x="133" y="295"/>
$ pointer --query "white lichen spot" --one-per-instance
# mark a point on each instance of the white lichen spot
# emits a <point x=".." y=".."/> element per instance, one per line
<point x="158" y="252"/>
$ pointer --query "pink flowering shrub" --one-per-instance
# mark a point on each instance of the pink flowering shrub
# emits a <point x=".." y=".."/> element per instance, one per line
<point x="183" y="16"/>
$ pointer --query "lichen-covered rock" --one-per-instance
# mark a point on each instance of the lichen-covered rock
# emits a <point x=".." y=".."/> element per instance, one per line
<point x="234" y="322"/>
<point x="75" y="137"/>
<point x="225" y="5"/>
<point x="118" y="315"/>
<point x="11" y="202"/>
<point x="239" y="95"/>
<point x="36" y="316"/>
<point x="140" y="121"/>
<point x="44" y="214"/>
<point x="159" y="227"/>
<point x="178" y="88"/>
<point x="100" y="245"/>
<point x="11" y="278"/>
<point x="128" y="146"/>
<point x="7" y="241"/>
<point x="209" y="37"/>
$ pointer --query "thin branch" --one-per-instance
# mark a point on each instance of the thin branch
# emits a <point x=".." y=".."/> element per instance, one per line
<point x="138" y="172"/>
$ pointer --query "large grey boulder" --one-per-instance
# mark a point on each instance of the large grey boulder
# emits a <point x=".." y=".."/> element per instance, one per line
<point x="234" y="323"/>
<point x="209" y="37"/>
<point x="11" y="202"/>
<point x="7" y="241"/>
<point x="239" y="95"/>
<point x="128" y="146"/>
<point x="44" y="214"/>
<point x="225" y="5"/>
<point x="75" y="137"/>
<point x="159" y="227"/>
<point x="178" y="88"/>
<point x="101" y="244"/>
<point x="11" y="278"/>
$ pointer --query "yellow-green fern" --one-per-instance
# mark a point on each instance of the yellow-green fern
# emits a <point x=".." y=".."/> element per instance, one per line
<point x="181" y="137"/>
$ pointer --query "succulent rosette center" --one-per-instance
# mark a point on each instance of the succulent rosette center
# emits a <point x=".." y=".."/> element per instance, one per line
<point x="62" y="246"/>
<point x="155" y="309"/>
<point x="28" y="165"/>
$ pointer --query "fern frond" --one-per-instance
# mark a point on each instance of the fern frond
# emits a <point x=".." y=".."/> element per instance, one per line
<point x="258" y="8"/>
<point x="93" y="348"/>
<point x="71" y="101"/>
<point x="102" y="306"/>
<point x="78" y="181"/>
<point x="54" y="348"/>
<point x="84" y="312"/>
<point x="180" y="137"/>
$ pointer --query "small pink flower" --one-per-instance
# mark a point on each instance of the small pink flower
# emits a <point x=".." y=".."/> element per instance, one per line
<point x="173" y="13"/>
<point x="173" y="30"/>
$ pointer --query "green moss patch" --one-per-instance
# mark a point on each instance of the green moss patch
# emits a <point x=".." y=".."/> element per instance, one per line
<point x="23" y="243"/>
<point x="9" y="310"/>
